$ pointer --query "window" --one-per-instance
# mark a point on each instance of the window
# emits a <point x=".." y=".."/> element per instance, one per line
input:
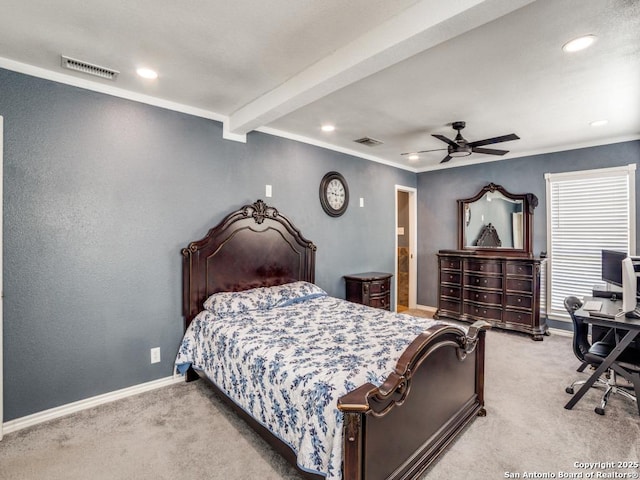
<point x="587" y="211"/>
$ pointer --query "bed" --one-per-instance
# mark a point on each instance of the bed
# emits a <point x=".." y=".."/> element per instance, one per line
<point x="391" y="422"/>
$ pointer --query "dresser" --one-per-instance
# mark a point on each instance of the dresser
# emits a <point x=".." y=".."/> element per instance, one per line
<point x="369" y="288"/>
<point x="503" y="290"/>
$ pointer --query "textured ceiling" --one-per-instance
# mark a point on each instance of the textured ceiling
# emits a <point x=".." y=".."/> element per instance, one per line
<point x="394" y="70"/>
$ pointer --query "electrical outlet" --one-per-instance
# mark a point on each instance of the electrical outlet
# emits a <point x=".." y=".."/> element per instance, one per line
<point x="267" y="190"/>
<point x="155" y="355"/>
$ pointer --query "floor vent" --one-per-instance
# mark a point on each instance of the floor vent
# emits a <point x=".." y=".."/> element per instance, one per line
<point x="368" y="141"/>
<point x="88" y="68"/>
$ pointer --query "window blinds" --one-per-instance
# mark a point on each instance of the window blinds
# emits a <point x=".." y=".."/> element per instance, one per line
<point x="587" y="212"/>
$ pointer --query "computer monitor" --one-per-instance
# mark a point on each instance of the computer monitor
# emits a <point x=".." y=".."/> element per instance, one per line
<point x="630" y="284"/>
<point x="612" y="267"/>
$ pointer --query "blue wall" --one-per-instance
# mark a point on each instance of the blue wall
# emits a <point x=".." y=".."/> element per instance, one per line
<point x="100" y="195"/>
<point x="439" y="190"/>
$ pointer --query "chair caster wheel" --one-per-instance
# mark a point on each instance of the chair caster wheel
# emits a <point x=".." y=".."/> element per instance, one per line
<point x="599" y="410"/>
<point x="569" y="390"/>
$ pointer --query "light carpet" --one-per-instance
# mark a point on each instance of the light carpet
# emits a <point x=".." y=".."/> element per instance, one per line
<point x="184" y="431"/>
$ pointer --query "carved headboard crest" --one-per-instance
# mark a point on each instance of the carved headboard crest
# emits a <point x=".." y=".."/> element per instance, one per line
<point x="259" y="211"/>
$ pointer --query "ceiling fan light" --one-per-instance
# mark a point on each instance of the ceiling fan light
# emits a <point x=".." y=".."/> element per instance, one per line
<point x="460" y="153"/>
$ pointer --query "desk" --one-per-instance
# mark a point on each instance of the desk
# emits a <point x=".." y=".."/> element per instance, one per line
<point x="631" y="325"/>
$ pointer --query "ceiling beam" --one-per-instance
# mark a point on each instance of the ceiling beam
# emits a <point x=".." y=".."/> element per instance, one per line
<point x="420" y="27"/>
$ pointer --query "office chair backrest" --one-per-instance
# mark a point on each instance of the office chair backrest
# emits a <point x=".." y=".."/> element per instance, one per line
<point x="580" y="329"/>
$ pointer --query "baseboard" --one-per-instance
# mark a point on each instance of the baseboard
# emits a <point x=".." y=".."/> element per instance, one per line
<point x="69" y="408"/>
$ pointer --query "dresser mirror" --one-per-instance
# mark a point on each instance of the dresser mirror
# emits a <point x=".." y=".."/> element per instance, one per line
<point x="496" y="221"/>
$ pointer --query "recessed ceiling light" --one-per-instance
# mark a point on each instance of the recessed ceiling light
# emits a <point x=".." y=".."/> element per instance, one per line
<point x="328" y="128"/>
<point x="414" y="157"/>
<point x="579" y="43"/>
<point x="147" y="73"/>
<point x="599" y="123"/>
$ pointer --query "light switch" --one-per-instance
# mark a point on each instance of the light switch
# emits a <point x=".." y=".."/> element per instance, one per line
<point x="361" y="202"/>
<point x="267" y="191"/>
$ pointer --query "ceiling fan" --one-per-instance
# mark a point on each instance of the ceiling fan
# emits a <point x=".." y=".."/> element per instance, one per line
<point x="461" y="148"/>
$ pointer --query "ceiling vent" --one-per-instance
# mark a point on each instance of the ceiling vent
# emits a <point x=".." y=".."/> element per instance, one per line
<point x="88" y="68"/>
<point x="368" y="141"/>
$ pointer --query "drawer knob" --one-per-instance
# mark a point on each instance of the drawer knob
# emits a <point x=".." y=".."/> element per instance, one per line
<point x="519" y="300"/>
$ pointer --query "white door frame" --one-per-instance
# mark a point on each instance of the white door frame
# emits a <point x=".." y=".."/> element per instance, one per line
<point x="1" y="275"/>
<point x="413" y="243"/>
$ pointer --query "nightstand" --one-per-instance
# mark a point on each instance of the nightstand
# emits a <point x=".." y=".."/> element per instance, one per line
<point x="369" y="288"/>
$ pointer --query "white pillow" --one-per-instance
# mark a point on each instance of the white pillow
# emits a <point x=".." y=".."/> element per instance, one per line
<point x="261" y="298"/>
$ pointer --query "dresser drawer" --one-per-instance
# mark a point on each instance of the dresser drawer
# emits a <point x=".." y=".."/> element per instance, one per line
<point x="481" y="311"/>
<point x="483" y="266"/>
<point x="483" y="281"/>
<point x="519" y="284"/>
<point x="447" y="305"/>
<point x="449" y="291"/>
<point x="450" y="277"/>
<point x="519" y="301"/>
<point x="485" y="296"/>
<point x="517" y="268"/>
<point x="450" y="263"/>
<point x="521" y="318"/>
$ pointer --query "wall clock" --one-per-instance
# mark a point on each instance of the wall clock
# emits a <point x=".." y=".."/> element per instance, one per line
<point x="334" y="194"/>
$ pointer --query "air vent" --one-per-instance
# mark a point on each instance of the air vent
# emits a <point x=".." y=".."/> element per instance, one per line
<point x="368" y="141"/>
<point x="88" y="68"/>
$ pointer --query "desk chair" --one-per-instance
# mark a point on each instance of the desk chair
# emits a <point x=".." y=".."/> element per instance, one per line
<point x="593" y="355"/>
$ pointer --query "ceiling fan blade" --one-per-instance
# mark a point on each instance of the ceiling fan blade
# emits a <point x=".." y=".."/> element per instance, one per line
<point x="489" y="151"/>
<point x="487" y="141"/>
<point x="446" y="159"/>
<point x="445" y="139"/>
<point x="423" y="151"/>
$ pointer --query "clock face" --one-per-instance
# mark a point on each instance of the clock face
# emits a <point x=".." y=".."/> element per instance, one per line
<point x="334" y="194"/>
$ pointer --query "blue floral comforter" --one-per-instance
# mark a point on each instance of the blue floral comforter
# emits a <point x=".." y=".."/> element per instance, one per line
<point x="287" y="362"/>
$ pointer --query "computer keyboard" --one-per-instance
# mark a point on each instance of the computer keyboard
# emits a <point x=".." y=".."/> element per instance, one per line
<point x="592" y="305"/>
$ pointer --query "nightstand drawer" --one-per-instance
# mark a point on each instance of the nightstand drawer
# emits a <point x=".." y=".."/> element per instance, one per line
<point x="380" y="302"/>
<point x="376" y="287"/>
<point x="370" y="288"/>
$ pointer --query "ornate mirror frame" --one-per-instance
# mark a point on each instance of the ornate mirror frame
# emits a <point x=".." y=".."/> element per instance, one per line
<point x="488" y="241"/>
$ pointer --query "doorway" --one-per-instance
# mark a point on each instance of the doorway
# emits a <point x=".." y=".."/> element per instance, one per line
<point x="406" y="240"/>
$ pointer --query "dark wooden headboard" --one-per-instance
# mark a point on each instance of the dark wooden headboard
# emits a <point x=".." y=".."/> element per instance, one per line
<point x="251" y="247"/>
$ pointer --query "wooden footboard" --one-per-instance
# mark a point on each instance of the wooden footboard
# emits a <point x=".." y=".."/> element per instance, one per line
<point x="397" y="430"/>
